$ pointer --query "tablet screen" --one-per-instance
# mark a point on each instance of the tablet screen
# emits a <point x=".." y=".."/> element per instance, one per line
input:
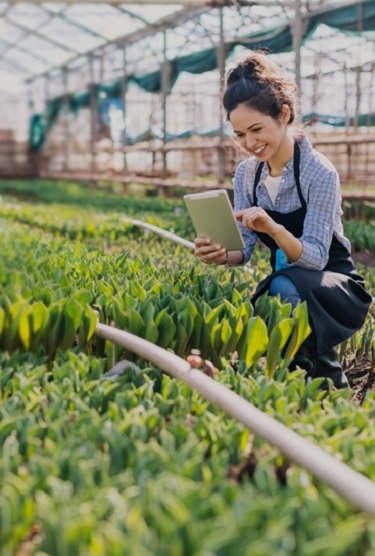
<point x="213" y="217"/>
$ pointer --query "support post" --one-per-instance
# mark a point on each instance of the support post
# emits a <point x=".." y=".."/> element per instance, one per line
<point x="297" y="27"/>
<point x="42" y="160"/>
<point x="66" y="119"/>
<point x="358" y="72"/>
<point x="165" y="86"/>
<point x="346" y="97"/>
<point x="93" y="116"/>
<point x="124" y="88"/>
<point x="221" y="66"/>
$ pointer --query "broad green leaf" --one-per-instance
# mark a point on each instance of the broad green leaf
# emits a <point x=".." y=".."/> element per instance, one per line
<point x="24" y="327"/>
<point x="136" y="324"/>
<point x="2" y="319"/>
<point x="256" y="341"/>
<point x="11" y="325"/>
<point x="83" y="297"/>
<point x="215" y="314"/>
<point x="278" y="338"/>
<point x="88" y="325"/>
<point x="181" y="340"/>
<point x="119" y="315"/>
<point x="301" y="330"/>
<point x="187" y="321"/>
<point x="237" y="327"/>
<point x="72" y="312"/>
<point x="137" y="291"/>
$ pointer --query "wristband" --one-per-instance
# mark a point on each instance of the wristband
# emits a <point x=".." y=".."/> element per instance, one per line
<point x="226" y="259"/>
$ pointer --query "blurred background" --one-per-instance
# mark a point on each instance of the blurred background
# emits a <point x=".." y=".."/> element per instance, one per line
<point x="128" y="92"/>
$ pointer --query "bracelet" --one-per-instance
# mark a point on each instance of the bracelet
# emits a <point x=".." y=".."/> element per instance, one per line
<point x="226" y="259"/>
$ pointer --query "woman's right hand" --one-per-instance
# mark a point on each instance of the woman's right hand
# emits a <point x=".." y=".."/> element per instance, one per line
<point x="209" y="253"/>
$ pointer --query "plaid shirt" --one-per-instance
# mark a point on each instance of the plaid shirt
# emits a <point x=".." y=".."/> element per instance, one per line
<point x="320" y="187"/>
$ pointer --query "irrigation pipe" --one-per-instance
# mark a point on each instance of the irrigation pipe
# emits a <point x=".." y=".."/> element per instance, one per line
<point x="169" y="235"/>
<point x="352" y="486"/>
<point x="160" y="232"/>
<point x="178" y="239"/>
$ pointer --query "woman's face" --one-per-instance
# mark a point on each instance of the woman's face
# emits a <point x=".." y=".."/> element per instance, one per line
<point x="258" y="134"/>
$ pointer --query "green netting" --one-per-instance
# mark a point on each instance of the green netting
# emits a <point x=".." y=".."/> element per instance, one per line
<point x="151" y="82"/>
<point x="362" y="120"/>
<point x="275" y="40"/>
<point x="36" y="132"/>
<point x="54" y="108"/>
<point x="352" y="18"/>
<point x="78" y="101"/>
<point x="358" y="17"/>
<point x="199" y="62"/>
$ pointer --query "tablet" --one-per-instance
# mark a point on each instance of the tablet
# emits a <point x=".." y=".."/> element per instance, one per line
<point x="213" y="217"/>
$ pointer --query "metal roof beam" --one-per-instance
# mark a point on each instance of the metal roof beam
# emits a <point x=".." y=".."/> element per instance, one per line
<point x="131" y="14"/>
<point x="167" y="22"/>
<point x="35" y="33"/>
<point x="15" y="66"/>
<point x="16" y="46"/>
<point x="191" y="4"/>
<point x="72" y="22"/>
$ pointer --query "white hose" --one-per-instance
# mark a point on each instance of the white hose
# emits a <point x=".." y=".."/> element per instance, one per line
<point x="353" y="486"/>
<point x="169" y="235"/>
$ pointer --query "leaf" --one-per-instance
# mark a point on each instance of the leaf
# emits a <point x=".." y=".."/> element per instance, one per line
<point x="151" y="331"/>
<point x="256" y="341"/>
<point x="72" y="312"/>
<point x="237" y="327"/>
<point x="166" y="329"/>
<point x="88" y="325"/>
<point x="137" y="291"/>
<point x="14" y="319"/>
<point x="119" y="314"/>
<point x="214" y="315"/>
<point x="262" y="306"/>
<point x="220" y="336"/>
<point x="136" y="324"/>
<point x="24" y="327"/>
<point x="278" y="338"/>
<point x="301" y="329"/>
<point x="2" y="320"/>
<point x="83" y="297"/>
<point x="55" y="323"/>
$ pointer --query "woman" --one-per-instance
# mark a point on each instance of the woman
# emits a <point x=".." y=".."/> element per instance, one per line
<point x="288" y="195"/>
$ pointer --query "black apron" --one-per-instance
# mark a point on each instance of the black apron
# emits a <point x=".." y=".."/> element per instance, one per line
<point x="336" y="298"/>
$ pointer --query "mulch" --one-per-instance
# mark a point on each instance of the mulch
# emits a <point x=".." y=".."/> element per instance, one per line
<point x="361" y="374"/>
<point x="361" y="377"/>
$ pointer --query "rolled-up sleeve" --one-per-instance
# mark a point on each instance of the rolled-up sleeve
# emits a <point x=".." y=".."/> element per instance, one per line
<point x="322" y="204"/>
<point x="242" y="201"/>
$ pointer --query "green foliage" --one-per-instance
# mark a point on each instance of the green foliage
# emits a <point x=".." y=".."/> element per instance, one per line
<point x="361" y="234"/>
<point x="141" y="464"/>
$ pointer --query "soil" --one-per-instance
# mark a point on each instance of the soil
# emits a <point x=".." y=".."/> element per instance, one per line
<point x="361" y="376"/>
<point x="366" y="257"/>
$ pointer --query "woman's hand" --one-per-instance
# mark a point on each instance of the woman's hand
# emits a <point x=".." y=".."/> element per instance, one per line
<point x="209" y="253"/>
<point x="256" y="219"/>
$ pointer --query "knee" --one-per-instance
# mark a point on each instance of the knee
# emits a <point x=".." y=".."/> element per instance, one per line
<point x="284" y="287"/>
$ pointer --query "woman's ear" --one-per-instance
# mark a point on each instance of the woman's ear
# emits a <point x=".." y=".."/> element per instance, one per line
<point x="285" y="114"/>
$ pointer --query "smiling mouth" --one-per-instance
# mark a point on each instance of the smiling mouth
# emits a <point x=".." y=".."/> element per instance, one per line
<point x="259" y="150"/>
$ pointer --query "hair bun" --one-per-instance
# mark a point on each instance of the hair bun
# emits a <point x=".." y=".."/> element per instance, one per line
<point x="257" y="67"/>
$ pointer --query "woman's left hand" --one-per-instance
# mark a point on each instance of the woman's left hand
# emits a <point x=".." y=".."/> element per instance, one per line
<point x="255" y="218"/>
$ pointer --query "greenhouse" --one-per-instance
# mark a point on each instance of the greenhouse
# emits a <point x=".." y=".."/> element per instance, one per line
<point x="187" y="302"/>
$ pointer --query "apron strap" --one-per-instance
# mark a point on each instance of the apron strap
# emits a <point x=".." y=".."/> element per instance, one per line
<point x="296" y="164"/>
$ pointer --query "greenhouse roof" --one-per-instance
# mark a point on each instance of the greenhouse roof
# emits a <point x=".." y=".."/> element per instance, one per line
<point x="39" y="39"/>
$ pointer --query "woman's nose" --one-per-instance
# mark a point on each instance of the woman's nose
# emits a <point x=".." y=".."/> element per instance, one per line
<point x="250" y="142"/>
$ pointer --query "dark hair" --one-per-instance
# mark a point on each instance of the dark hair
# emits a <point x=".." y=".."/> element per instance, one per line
<point x="259" y="83"/>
